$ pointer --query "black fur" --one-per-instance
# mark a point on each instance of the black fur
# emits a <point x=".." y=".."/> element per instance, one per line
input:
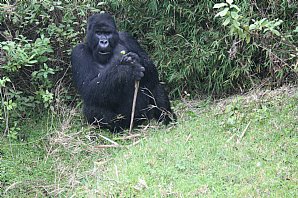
<point x="104" y="76"/>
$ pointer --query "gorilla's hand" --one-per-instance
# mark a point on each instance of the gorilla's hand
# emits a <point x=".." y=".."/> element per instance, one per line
<point x="138" y="71"/>
<point x="130" y="58"/>
<point x="134" y="60"/>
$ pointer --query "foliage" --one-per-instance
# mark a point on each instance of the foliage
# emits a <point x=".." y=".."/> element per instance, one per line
<point x="21" y="55"/>
<point x="202" y="56"/>
<point x="231" y="13"/>
<point x="198" y="46"/>
<point x="36" y="39"/>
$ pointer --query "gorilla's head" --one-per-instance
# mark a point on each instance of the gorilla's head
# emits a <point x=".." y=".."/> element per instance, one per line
<point x="102" y="36"/>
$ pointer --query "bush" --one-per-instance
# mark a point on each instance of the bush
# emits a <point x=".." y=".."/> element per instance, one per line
<point x="195" y="51"/>
<point x="36" y="39"/>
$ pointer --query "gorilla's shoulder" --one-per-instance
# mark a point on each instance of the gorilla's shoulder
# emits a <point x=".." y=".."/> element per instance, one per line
<point x="127" y="37"/>
<point x="78" y="47"/>
<point x="79" y="53"/>
<point x="131" y="43"/>
<point x="81" y="48"/>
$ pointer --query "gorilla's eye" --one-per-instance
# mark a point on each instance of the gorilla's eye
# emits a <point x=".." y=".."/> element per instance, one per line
<point x="102" y="32"/>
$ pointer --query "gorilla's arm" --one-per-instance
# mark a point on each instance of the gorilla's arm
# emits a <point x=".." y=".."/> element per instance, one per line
<point x="150" y="75"/>
<point x="96" y="83"/>
<point x="150" y="79"/>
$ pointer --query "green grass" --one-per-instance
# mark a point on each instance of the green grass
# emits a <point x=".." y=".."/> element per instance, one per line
<point x="239" y="147"/>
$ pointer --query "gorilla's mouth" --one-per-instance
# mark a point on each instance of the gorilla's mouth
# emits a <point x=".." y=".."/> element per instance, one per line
<point x="103" y="53"/>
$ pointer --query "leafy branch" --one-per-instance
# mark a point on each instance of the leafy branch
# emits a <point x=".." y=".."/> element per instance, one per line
<point x="231" y="15"/>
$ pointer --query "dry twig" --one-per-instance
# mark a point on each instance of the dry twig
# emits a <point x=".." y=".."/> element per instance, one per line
<point x="137" y="84"/>
<point x="243" y="133"/>
<point x="109" y="140"/>
<point x="107" y="146"/>
<point x="130" y="137"/>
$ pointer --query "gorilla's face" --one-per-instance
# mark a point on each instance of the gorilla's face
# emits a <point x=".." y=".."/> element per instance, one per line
<point x="102" y="36"/>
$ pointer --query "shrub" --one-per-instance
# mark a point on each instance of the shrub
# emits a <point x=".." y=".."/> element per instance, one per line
<point x="35" y="41"/>
<point x="248" y="44"/>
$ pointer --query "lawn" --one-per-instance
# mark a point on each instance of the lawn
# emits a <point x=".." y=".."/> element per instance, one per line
<point x="242" y="146"/>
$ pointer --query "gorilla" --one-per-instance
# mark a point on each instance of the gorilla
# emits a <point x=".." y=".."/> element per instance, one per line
<point x="105" y="69"/>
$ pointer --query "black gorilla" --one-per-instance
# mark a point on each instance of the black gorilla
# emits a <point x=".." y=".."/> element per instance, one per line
<point x="104" y="71"/>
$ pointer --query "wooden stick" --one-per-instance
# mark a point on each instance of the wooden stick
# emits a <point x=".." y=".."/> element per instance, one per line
<point x="107" y="146"/>
<point x="137" y="84"/>
<point x="243" y="133"/>
<point x="108" y="139"/>
<point x="129" y="137"/>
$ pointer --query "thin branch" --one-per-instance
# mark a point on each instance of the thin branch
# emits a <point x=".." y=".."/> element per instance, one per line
<point x="129" y="137"/>
<point x="137" y="84"/>
<point x="109" y="140"/>
<point x="243" y="133"/>
<point x="107" y="146"/>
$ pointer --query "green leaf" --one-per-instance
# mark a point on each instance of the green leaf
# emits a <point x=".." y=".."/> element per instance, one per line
<point x="275" y="32"/>
<point x="241" y="34"/>
<point x="6" y="48"/>
<point x="236" y="7"/>
<point x="32" y="61"/>
<point x="296" y="29"/>
<point x="247" y="38"/>
<point x="219" y="5"/>
<point x="245" y="27"/>
<point x="277" y="23"/>
<point x="229" y="1"/>
<point x="236" y="24"/>
<point x="42" y="59"/>
<point x="3" y="81"/>
<point x="222" y="13"/>
<point x="234" y="15"/>
<point x="34" y="74"/>
<point x="263" y="21"/>
<point x="227" y="21"/>
<point x="252" y="26"/>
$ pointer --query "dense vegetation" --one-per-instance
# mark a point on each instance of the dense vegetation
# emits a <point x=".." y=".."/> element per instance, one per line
<point x="199" y="47"/>
<point x="244" y="146"/>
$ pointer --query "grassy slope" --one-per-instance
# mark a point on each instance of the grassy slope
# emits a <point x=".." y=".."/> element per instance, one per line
<point x="204" y="155"/>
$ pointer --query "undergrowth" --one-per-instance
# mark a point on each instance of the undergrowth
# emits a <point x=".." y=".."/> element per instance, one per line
<point x="215" y="48"/>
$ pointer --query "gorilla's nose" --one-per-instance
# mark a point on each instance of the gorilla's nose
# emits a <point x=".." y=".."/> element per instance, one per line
<point x="103" y="43"/>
